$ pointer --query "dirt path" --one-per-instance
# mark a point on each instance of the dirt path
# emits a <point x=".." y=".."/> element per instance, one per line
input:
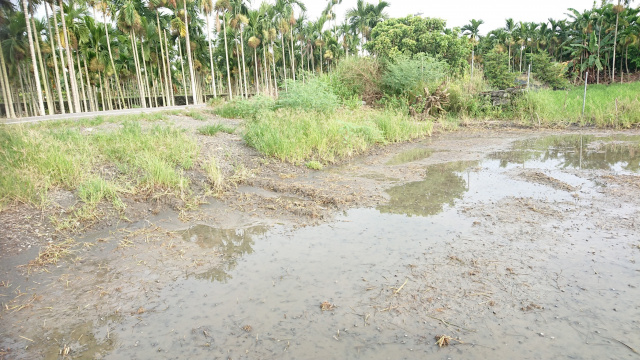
<point x="512" y="244"/>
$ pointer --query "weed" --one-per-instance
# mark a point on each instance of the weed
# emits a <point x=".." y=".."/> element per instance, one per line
<point x="196" y="115"/>
<point x="297" y="136"/>
<point x="312" y="95"/>
<point x="211" y="130"/>
<point x="214" y="174"/>
<point x="314" y="165"/>
<point x="246" y="109"/>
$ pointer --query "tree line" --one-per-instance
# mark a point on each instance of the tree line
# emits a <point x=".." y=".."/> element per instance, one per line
<point x="92" y="55"/>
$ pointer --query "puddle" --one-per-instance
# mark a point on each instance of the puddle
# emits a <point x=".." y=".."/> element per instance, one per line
<point x="410" y="156"/>
<point x="514" y="256"/>
<point x="615" y="153"/>
<point x="232" y="244"/>
<point x="443" y="184"/>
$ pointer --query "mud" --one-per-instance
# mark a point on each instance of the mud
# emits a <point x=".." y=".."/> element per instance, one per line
<point x="513" y="244"/>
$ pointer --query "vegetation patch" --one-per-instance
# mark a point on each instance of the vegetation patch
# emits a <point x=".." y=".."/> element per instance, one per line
<point x="299" y="136"/>
<point x="36" y="159"/>
<point x="212" y="130"/>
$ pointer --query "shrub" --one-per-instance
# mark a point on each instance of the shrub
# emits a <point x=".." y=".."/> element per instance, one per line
<point x="313" y="94"/>
<point x="357" y="77"/>
<point x="496" y="69"/>
<point x="548" y="71"/>
<point x="409" y="76"/>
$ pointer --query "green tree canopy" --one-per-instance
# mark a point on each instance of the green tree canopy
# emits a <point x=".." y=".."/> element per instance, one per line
<point x="414" y="34"/>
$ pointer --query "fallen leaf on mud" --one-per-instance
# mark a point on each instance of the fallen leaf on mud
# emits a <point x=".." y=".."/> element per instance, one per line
<point x="327" y="306"/>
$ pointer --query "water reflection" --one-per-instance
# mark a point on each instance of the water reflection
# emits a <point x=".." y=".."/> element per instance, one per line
<point x="410" y="155"/>
<point x="442" y="186"/>
<point x="232" y="243"/>
<point x="577" y="151"/>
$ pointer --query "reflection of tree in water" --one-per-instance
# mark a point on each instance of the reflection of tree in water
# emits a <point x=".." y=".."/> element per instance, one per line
<point x="232" y="243"/>
<point x="442" y="185"/>
<point x="577" y="151"/>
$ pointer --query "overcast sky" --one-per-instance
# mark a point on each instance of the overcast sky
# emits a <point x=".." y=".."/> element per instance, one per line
<point x="459" y="12"/>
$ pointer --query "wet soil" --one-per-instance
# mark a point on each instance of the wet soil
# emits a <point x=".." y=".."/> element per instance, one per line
<point x="512" y="243"/>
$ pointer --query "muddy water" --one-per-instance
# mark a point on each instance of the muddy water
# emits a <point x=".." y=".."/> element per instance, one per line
<point x="523" y="254"/>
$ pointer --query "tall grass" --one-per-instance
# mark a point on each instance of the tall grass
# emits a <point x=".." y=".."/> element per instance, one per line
<point x="211" y="130"/>
<point x="298" y="136"/>
<point x="615" y="105"/>
<point x="36" y="159"/>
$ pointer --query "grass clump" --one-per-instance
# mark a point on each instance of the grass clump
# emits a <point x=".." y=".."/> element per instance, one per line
<point x="214" y="174"/>
<point x="314" y="165"/>
<point x="299" y="136"/>
<point x="211" y="130"/>
<point x="312" y="95"/>
<point x="95" y="189"/>
<point x="246" y="109"/>
<point x="196" y="115"/>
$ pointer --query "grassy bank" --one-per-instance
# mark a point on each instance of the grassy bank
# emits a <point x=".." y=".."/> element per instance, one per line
<point x="322" y="135"/>
<point x="615" y="105"/>
<point x="97" y="164"/>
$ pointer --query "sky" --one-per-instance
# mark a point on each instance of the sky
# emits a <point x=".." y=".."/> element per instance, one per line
<point x="459" y="12"/>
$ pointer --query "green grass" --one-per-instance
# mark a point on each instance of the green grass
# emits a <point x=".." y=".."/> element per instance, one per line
<point x="196" y="115"/>
<point x="246" y="109"/>
<point x="314" y="165"/>
<point x="211" y="130"/>
<point x="615" y="105"/>
<point x="35" y="159"/>
<point x="214" y="174"/>
<point x="300" y="136"/>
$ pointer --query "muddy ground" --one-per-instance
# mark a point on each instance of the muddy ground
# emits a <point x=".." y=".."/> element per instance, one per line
<point x="509" y="243"/>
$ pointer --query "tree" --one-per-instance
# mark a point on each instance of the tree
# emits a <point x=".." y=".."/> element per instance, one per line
<point x="413" y="35"/>
<point x="222" y="7"/>
<point x="33" y="58"/>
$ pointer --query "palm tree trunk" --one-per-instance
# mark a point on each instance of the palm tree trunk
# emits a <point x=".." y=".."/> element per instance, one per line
<point x="615" y="42"/>
<point x="83" y="98"/>
<point x="51" y="106"/>
<point x="265" y="67"/>
<point x="55" y="62"/>
<point x="9" y="98"/>
<point x="113" y="65"/>
<point x="89" y="88"/>
<point x="72" y="71"/>
<point x="191" y="72"/>
<point x="293" y="57"/>
<point x="241" y="87"/>
<point x="146" y="77"/>
<point x="284" y="64"/>
<point x="226" y="52"/>
<point x="165" y="83"/>
<point x="275" y="79"/>
<point x="141" y="89"/>
<point x="184" y="80"/>
<point x="24" y="94"/>
<point x="172" y="99"/>
<point x="5" y="97"/>
<point x="213" y="74"/>
<point x="102" y="88"/>
<point x="244" y="68"/>
<point x="255" y="62"/>
<point x="33" y="59"/>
